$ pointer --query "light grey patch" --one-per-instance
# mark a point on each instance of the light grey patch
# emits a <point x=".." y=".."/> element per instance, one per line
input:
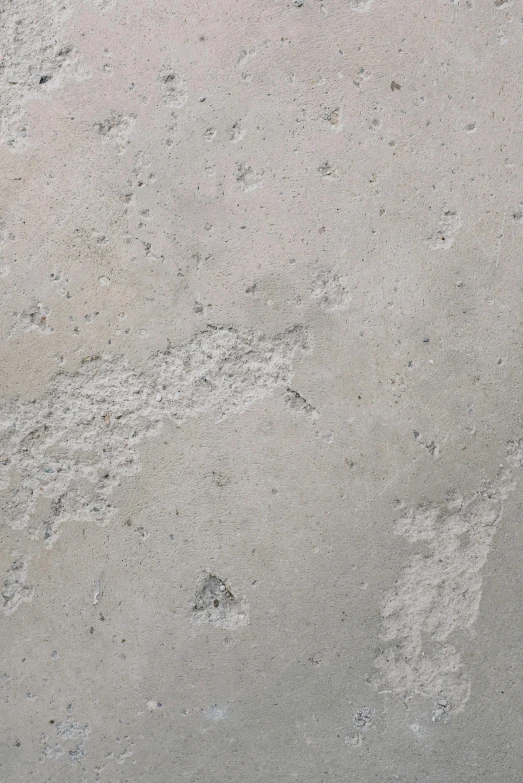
<point x="116" y="130"/>
<point x="363" y="718"/>
<point x="98" y="591"/>
<point x="428" y="443"/>
<point x="70" y="729"/>
<point x="361" y="5"/>
<point x="362" y="76"/>
<point x="362" y="721"/>
<point x="220" y="479"/>
<point x="51" y="751"/>
<point x="331" y="291"/>
<point x="216" y="605"/>
<point x="333" y="117"/>
<point x="217" y="712"/>
<point x="448" y="226"/>
<point x="76" y="755"/>
<point x="14" y="590"/>
<point x="237" y="132"/>
<point x="328" y="170"/>
<point x="174" y="88"/>
<point x="437" y="594"/>
<point x="35" y="318"/>
<point x="36" y="60"/>
<point x="298" y="404"/>
<point x="246" y="55"/>
<point x="248" y="179"/>
<point x="515" y="453"/>
<point x="441" y="709"/>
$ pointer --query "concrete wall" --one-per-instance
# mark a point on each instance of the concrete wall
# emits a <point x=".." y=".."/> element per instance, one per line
<point x="261" y="440"/>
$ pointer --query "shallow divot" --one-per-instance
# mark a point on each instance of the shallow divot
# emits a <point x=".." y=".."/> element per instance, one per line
<point x="448" y="226"/>
<point x="174" y="88"/>
<point x="216" y="605"/>
<point x="298" y="404"/>
<point x="331" y="291"/>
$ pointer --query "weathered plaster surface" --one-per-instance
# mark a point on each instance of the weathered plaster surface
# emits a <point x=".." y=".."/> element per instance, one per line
<point x="261" y="440"/>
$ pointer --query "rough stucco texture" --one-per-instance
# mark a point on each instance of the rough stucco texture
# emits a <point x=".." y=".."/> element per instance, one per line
<point x="261" y="435"/>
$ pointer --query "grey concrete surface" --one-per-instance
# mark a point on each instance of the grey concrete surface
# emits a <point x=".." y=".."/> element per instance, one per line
<point x="261" y="432"/>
